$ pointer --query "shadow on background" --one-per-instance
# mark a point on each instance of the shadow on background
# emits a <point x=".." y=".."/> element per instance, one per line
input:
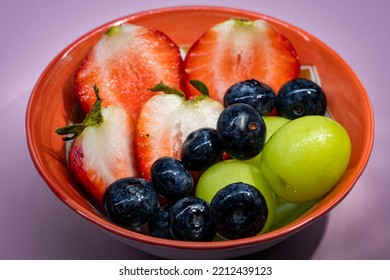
<point x="300" y="246"/>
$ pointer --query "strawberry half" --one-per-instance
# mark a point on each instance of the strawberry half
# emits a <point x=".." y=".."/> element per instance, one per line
<point x="127" y="61"/>
<point x="166" y="120"/>
<point x="237" y="50"/>
<point x="102" y="149"/>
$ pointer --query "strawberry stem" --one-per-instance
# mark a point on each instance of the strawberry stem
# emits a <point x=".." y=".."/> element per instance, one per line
<point x="94" y="117"/>
<point x="112" y="30"/>
<point x="200" y="86"/>
<point x="167" y="89"/>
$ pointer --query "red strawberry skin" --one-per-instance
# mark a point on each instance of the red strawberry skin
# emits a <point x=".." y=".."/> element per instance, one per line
<point x="104" y="153"/>
<point x="164" y="123"/>
<point x="237" y="50"/>
<point x="127" y="61"/>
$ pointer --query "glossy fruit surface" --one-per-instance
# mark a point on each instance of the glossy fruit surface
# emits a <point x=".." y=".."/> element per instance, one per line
<point x="236" y="50"/>
<point x="128" y="60"/>
<point x="159" y="222"/>
<point x="286" y="212"/>
<point x="300" y="97"/>
<point x="102" y="149"/>
<point x="252" y="92"/>
<point x="241" y="130"/>
<point x="239" y="211"/>
<point x="272" y="124"/>
<point x="231" y="171"/>
<point x="305" y="158"/>
<point x="164" y="123"/>
<point x="191" y="220"/>
<point x="48" y="150"/>
<point x="201" y="149"/>
<point x="171" y="179"/>
<point x="130" y="201"/>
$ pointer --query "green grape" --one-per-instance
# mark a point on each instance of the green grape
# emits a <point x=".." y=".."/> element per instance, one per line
<point x="305" y="158"/>
<point x="272" y="124"/>
<point x="286" y="212"/>
<point x="226" y="172"/>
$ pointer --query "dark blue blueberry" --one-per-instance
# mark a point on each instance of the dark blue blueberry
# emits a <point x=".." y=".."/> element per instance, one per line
<point x="191" y="220"/>
<point x="241" y="130"/>
<point x="201" y="149"/>
<point x="130" y="201"/>
<point x="171" y="179"/>
<point x="159" y="223"/>
<point x="300" y="97"/>
<point x="252" y="92"/>
<point x="239" y="210"/>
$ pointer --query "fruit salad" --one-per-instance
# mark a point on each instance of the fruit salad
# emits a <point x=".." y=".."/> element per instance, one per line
<point x="230" y="140"/>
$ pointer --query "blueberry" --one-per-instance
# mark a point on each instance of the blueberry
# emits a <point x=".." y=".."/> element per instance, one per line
<point x="252" y="92"/>
<point x="171" y="179"/>
<point x="241" y="130"/>
<point x="159" y="222"/>
<point x="300" y="97"/>
<point x="130" y="201"/>
<point x="239" y="210"/>
<point x="201" y="149"/>
<point x="191" y="220"/>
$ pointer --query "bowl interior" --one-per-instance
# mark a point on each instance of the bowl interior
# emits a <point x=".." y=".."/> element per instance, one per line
<point x="52" y="104"/>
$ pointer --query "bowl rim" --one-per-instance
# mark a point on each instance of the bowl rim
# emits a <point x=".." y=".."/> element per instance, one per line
<point x="103" y="223"/>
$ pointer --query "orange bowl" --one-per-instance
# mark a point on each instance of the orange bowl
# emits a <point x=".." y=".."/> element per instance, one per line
<point x="52" y="104"/>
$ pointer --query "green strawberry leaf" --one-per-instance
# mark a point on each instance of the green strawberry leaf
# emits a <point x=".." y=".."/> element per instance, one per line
<point x="167" y="89"/>
<point x="200" y="86"/>
<point x="94" y="117"/>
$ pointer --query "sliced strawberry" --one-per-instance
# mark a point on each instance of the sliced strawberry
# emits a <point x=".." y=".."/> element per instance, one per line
<point x="237" y="50"/>
<point x="102" y="150"/>
<point x="164" y="123"/>
<point x="127" y="61"/>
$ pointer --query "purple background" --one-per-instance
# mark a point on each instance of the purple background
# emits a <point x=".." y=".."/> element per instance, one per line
<point x="34" y="224"/>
